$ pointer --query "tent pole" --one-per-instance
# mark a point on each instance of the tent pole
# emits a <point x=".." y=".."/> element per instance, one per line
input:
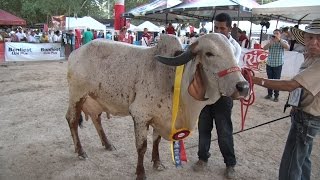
<point x="277" y="22"/>
<point x="250" y="31"/>
<point x="238" y="15"/>
<point x="166" y="19"/>
<point x="214" y="14"/>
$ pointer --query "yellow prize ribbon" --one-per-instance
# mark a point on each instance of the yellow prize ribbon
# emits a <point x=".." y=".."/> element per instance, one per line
<point x="176" y="98"/>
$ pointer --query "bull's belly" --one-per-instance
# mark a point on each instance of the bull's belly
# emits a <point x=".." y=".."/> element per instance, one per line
<point x="113" y="107"/>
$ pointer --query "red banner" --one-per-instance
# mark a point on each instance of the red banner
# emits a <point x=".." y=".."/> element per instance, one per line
<point x="59" y="22"/>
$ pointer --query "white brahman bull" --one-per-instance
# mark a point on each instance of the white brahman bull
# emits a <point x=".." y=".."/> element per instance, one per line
<point x="122" y="79"/>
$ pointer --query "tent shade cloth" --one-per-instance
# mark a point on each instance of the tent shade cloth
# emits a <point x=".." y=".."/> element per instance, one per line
<point x="10" y="19"/>
<point x="84" y="23"/>
<point x="146" y="12"/>
<point x="205" y="10"/>
<point x="297" y="11"/>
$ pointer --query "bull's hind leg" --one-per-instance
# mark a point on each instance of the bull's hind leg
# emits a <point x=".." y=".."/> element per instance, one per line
<point x="73" y="118"/>
<point x="155" y="152"/>
<point x="104" y="140"/>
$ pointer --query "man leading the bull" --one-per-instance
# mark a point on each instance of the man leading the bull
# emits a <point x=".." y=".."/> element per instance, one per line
<point x="220" y="113"/>
<point x="304" y="98"/>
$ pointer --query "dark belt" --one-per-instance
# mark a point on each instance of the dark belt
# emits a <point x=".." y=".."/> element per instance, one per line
<point x="305" y="114"/>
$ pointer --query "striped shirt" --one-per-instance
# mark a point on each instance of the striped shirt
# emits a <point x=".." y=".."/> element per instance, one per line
<point x="276" y="54"/>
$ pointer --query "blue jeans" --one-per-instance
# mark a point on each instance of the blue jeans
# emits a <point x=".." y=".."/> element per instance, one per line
<point x="274" y="73"/>
<point x="295" y="162"/>
<point x="220" y="112"/>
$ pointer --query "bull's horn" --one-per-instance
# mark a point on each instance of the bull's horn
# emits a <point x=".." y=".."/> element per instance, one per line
<point x="178" y="60"/>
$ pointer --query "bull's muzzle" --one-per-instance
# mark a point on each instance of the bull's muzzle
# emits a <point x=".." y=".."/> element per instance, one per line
<point x="243" y="88"/>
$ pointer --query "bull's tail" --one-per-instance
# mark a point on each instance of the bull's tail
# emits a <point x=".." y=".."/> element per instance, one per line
<point x="81" y="121"/>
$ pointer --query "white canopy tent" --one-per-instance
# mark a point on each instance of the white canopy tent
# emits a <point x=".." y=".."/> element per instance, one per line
<point x="297" y="11"/>
<point x="147" y="24"/>
<point x="132" y="27"/>
<point x="84" y="23"/>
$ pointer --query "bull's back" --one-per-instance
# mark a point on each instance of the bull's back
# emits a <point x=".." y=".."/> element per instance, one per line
<point x="108" y="71"/>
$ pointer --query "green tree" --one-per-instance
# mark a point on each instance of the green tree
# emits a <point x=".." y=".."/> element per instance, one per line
<point x="40" y="11"/>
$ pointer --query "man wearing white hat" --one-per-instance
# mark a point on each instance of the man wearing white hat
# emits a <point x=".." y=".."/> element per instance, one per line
<point x="304" y="98"/>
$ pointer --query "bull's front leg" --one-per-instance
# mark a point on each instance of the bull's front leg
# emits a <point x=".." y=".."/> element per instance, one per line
<point x="155" y="152"/>
<point x="141" y="131"/>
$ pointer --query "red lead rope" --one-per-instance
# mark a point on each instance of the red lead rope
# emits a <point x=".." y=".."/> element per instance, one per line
<point x="247" y="74"/>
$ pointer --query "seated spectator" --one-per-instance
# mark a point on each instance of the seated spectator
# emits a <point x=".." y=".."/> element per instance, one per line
<point x="44" y="38"/>
<point x="14" y="37"/>
<point x="244" y="40"/>
<point x="21" y="35"/>
<point x="31" y="38"/>
<point x="203" y="30"/>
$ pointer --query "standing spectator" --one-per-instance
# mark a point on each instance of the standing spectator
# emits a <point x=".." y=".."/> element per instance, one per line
<point x="285" y="34"/>
<point x="130" y="37"/>
<point x="109" y="35"/>
<point x="234" y="32"/>
<point x="276" y="47"/>
<point x="87" y="36"/>
<point x="220" y="113"/>
<point x="100" y="34"/>
<point x="116" y="37"/>
<point x="170" y="29"/>
<point x="56" y="37"/>
<point x="70" y="42"/>
<point x="95" y="34"/>
<point x="203" y="30"/>
<point x="50" y="36"/>
<point x="146" y="38"/>
<point x="305" y="113"/>
<point x="122" y="34"/>
<point x="292" y="39"/>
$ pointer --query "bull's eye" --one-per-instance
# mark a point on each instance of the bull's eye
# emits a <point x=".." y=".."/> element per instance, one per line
<point x="209" y="54"/>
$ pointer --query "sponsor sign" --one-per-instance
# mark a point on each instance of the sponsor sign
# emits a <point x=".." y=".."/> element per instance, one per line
<point x="253" y="58"/>
<point x="32" y="52"/>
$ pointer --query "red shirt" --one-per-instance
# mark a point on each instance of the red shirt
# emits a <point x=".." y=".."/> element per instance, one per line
<point x="146" y="35"/>
<point x="170" y="30"/>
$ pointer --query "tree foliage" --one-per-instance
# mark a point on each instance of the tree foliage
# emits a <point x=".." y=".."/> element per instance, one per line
<point x="40" y="11"/>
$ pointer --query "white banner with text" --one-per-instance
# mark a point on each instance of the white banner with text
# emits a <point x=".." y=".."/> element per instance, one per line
<point x="15" y="51"/>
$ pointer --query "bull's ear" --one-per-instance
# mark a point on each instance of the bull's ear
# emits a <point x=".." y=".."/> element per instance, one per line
<point x="181" y="59"/>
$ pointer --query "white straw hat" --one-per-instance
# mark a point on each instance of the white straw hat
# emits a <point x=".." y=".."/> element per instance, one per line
<point x="312" y="28"/>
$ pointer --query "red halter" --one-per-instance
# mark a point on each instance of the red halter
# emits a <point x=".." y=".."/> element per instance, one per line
<point x="228" y="71"/>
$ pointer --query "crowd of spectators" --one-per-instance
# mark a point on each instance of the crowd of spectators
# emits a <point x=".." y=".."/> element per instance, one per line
<point x="148" y="38"/>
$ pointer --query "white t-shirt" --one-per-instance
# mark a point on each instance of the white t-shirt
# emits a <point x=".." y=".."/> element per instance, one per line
<point x="31" y="39"/>
<point x="236" y="48"/>
<point x="21" y="35"/>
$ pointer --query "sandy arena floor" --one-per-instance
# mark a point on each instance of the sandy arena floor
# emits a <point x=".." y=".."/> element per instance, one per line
<point x="35" y="141"/>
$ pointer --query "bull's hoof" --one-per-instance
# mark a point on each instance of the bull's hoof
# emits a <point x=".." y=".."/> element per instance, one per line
<point x="110" y="147"/>
<point x="158" y="166"/>
<point x="83" y="156"/>
<point x="141" y="177"/>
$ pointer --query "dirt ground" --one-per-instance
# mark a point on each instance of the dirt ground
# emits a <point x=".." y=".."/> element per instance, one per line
<point x="35" y="141"/>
